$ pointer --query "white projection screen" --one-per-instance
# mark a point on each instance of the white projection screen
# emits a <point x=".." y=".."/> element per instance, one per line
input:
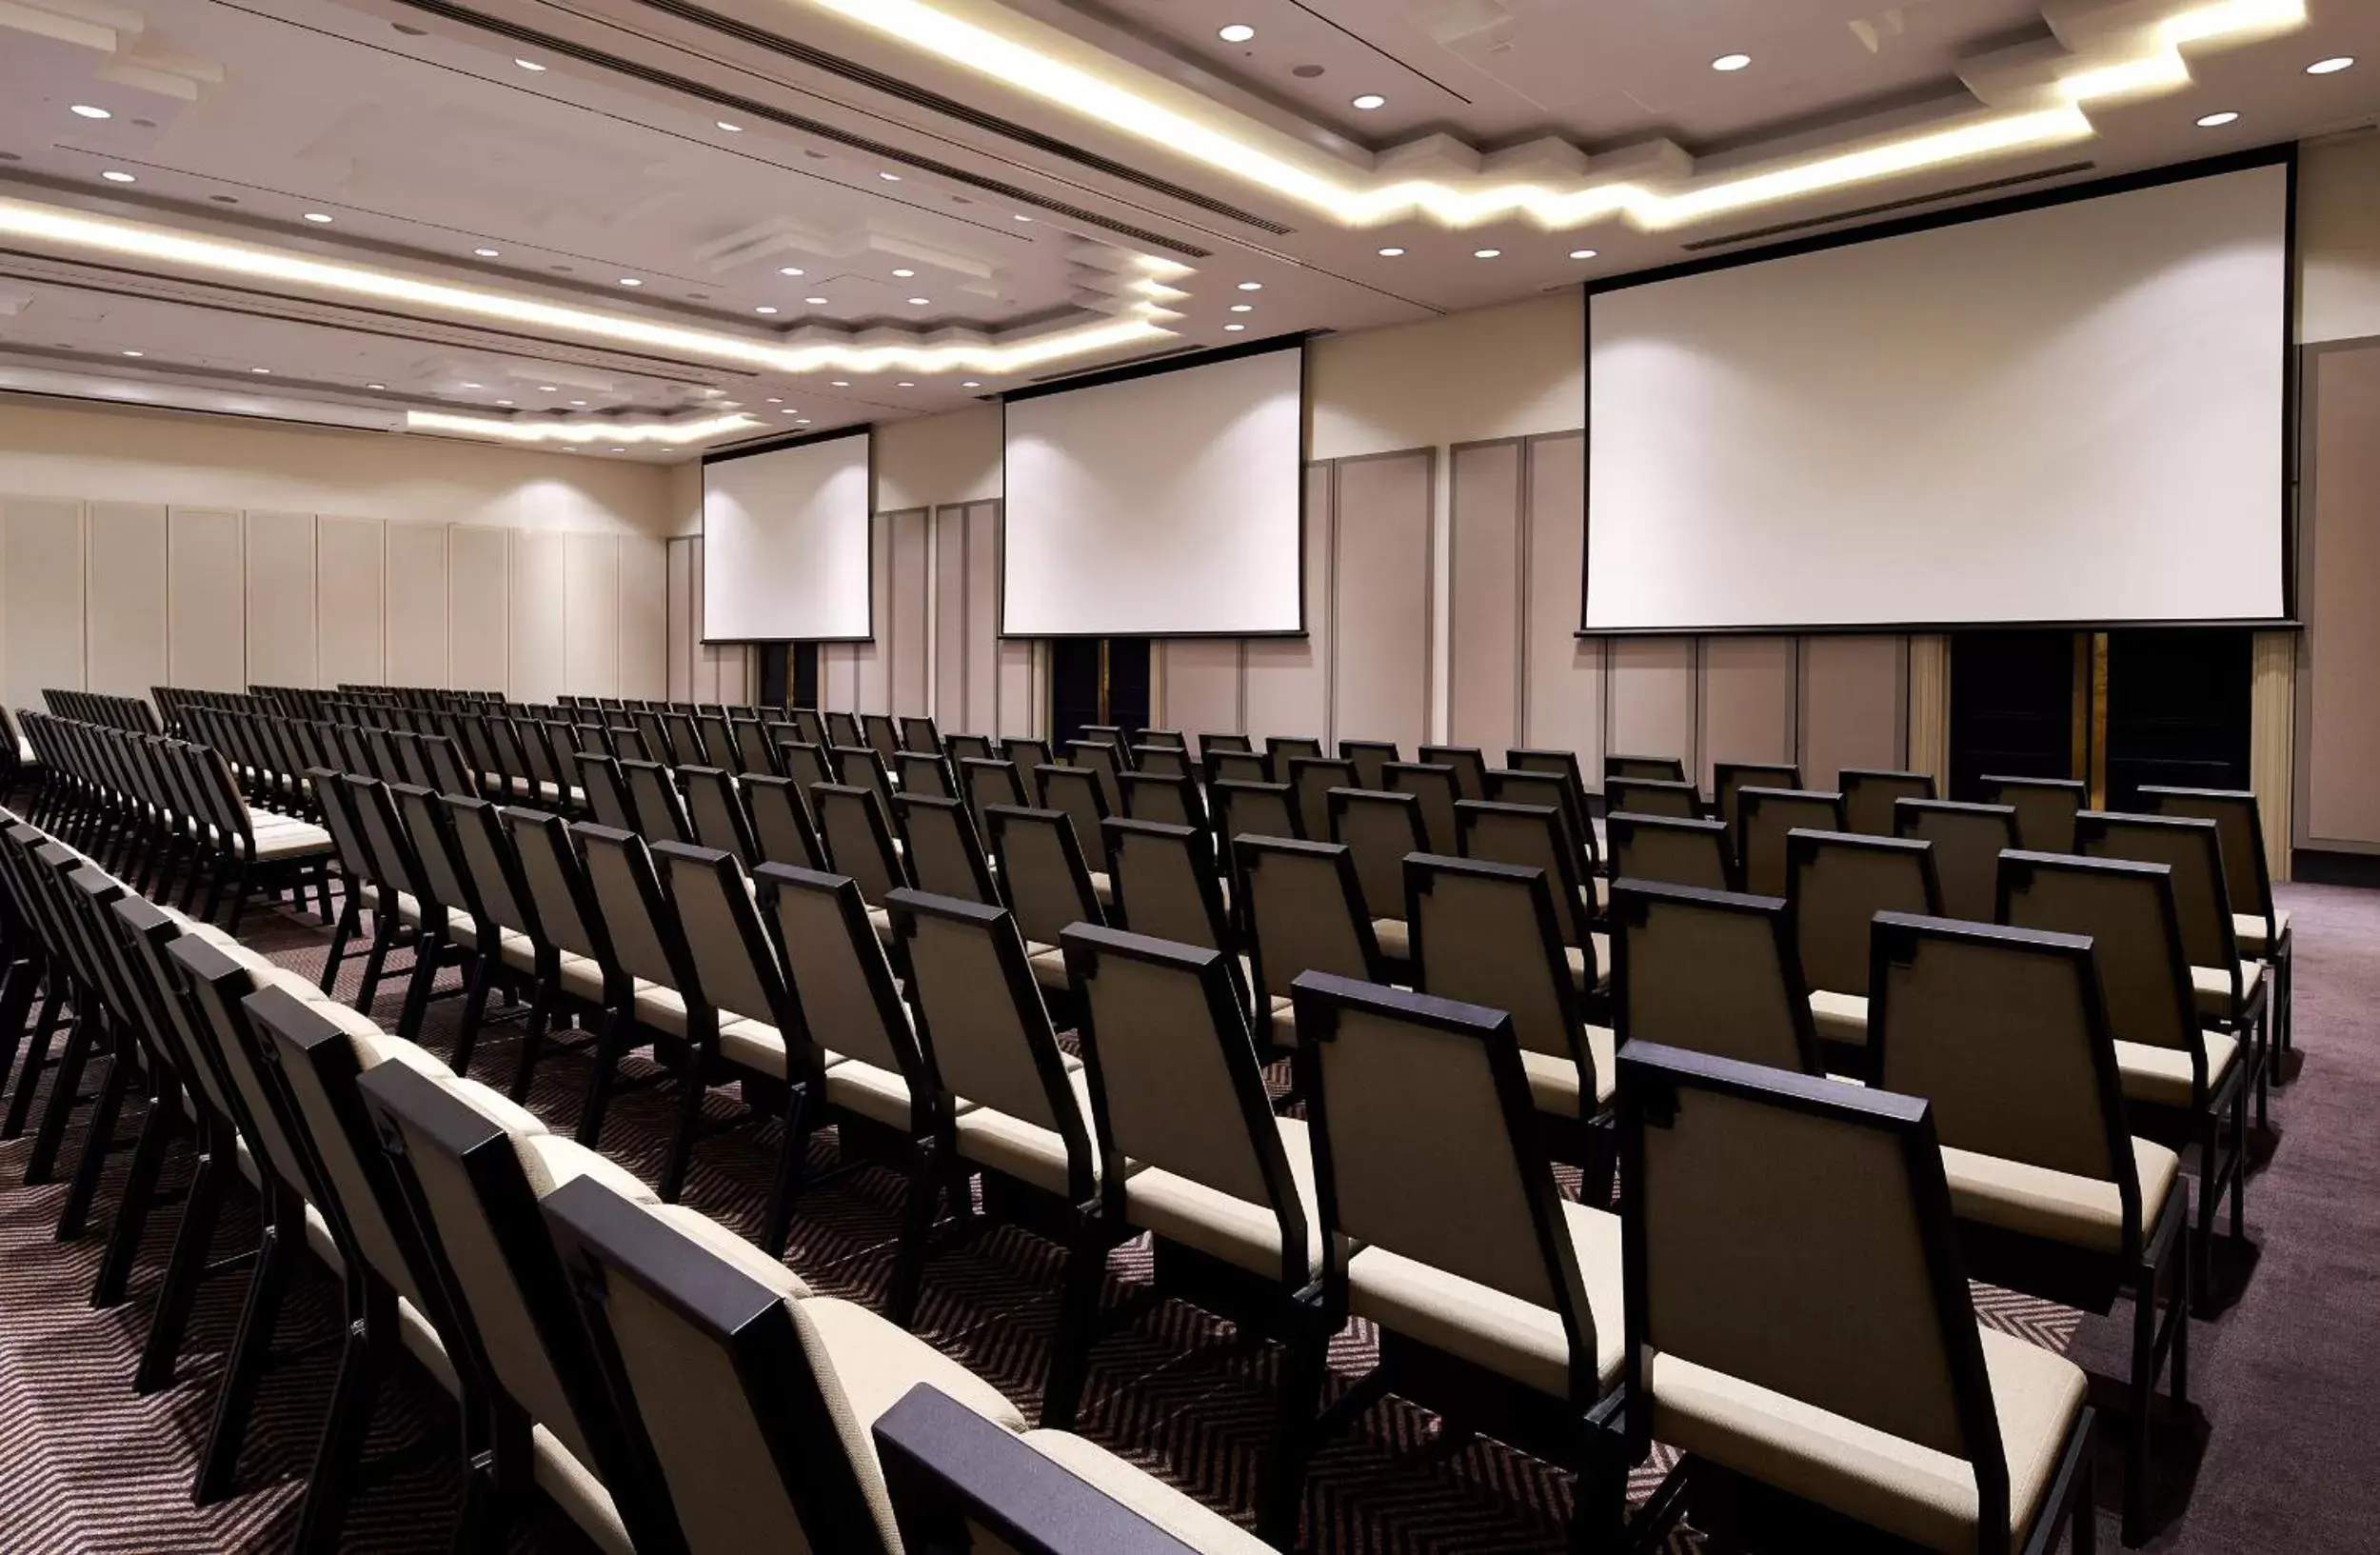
<point x="1169" y="504"/>
<point x="2069" y="415"/>
<point x="785" y="543"/>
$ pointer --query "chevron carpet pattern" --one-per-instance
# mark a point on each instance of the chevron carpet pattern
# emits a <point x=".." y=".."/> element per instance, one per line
<point x="88" y="1469"/>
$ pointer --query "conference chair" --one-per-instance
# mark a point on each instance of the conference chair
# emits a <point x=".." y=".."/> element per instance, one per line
<point x="1672" y="851"/>
<point x="860" y="767"/>
<point x="965" y="747"/>
<point x="1435" y="791"/>
<point x="1495" y="1297"/>
<point x="1311" y="780"/>
<point x="654" y="801"/>
<point x="1103" y="759"/>
<point x="853" y="827"/>
<point x="1161" y="761"/>
<point x="1666" y="943"/>
<point x="940" y="849"/>
<point x="1110" y="735"/>
<point x="2045" y="809"/>
<point x="1166" y="888"/>
<point x="1378" y="831"/>
<point x="495" y="957"/>
<point x="783" y="830"/>
<point x="1236" y="767"/>
<point x="920" y="737"/>
<point x="714" y="804"/>
<point x="607" y="789"/>
<point x="1029" y="757"/>
<point x="567" y="932"/>
<point x="1678" y="801"/>
<point x="1763" y="817"/>
<point x="1729" y="777"/>
<point x="1554" y="790"/>
<point x="806" y="765"/>
<point x="755" y="745"/>
<point x="879" y="734"/>
<point x="1167" y="739"/>
<point x="924" y="773"/>
<point x="2003" y="1031"/>
<point x="1469" y="764"/>
<point x="1170" y="798"/>
<point x="1647" y="768"/>
<point x="817" y="729"/>
<point x="1534" y="837"/>
<point x="1305" y="912"/>
<point x="1191" y="1151"/>
<point x="1869" y="794"/>
<point x="1967" y="841"/>
<point x="1869" y="1354"/>
<point x="1484" y="934"/>
<point x="1223" y="742"/>
<point x="1836" y="882"/>
<point x="2166" y="1056"/>
<point x="985" y="783"/>
<point x="1281" y="750"/>
<point x="1043" y="882"/>
<point x="2261" y="928"/>
<point x="529" y="961"/>
<point x="1369" y="758"/>
<point x="1077" y="793"/>
<point x="655" y="733"/>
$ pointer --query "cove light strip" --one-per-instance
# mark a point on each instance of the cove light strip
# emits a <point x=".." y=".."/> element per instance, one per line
<point x="657" y="433"/>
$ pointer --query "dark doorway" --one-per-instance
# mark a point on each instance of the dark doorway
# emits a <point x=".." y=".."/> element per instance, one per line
<point x="2178" y="709"/>
<point x="788" y="674"/>
<point x="2013" y="700"/>
<point x="1097" y="680"/>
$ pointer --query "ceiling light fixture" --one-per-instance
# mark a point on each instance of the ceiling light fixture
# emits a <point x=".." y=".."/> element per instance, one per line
<point x="904" y="274"/>
<point x="261" y="371"/>
<point x="1021" y="216"/>
<point x="2321" y="67"/>
<point x="1487" y="254"/>
<point x="382" y="386"/>
<point x="1731" y="61"/>
<point x="135" y="353"/>
<point x="920" y="302"/>
<point x="504" y="402"/>
<point x="776" y="399"/>
<point x="731" y="128"/>
<point x="1233" y="329"/>
<point x="790" y="270"/>
<point x="87" y="110"/>
<point x="764" y="309"/>
<point x="545" y="389"/>
<point x="905" y="384"/>
<point x="1251" y="286"/>
<point x="839" y="382"/>
<point x="470" y="385"/>
<point x="484" y="254"/>
<point x="631" y="281"/>
<point x="1243" y="308"/>
<point x="801" y="420"/>
<point x="530" y="65"/>
<point x="1369" y="101"/>
<point x="2217" y="121"/>
<point x="320" y="218"/>
<point x="813" y="302"/>
<point x="114" y="176"/>
<point x="1236" y="32"/>
<point x="970" y="383"/>
<point x="1392" y="253"/>
<point x="1582" y="253"/>
<point x="889" y="177"/>
<point x="578" y="401"/>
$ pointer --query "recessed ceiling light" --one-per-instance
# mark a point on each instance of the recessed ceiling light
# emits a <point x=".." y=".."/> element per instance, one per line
<point x="484" y="254"/>
<point x="776" y="399"/>
<point x="2321" y="67"/>
<point x="801" y="420"/>
<point x="1233" y="329"/>
<point x="764" y="309"/>
<point x="1392" y="253"/>
<point x="889" y="177"/>
<point x="790" y="270"/>
<point x="578" y="401"/>
<point x="470" y="385"/>
<point x="784" y="412"/>
<point x="135" y="353"/>
<point x="839" y="382"/>
<point x="919" y="302"/>
<point x="320" y="218"/>
<point x="504" y="402"/>
<point x="88" y="112"/>
<point x="1243" y="308"/>
<point x="904" y="274"/>
<point x="1251" y="286"/>
<point x="731" y="128"/>
<point x="1236" y="32"/>
<point x="905" y="384"/>
<point x="528" y="64"/>
<point x="1582" y="253"/>
<point x="382" y="386"/>
<point x="815" y="302"/>
<point x="2215" y="121"/>
<point x="1021" y="216"/>
<point x="113" y="176"/>
<point x="545" y="389"/>
<point x="1731" y="61"/>
<point x="619" y="451"/>
<point x="971" y="383"/>
<point x="1369" y="101"/>
<point x="260" y="370"/>
<point x="631" y="281"/>
<point x="1486" y="254"/>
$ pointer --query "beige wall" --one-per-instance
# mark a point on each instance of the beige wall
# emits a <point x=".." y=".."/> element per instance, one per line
<point x="141" y="548"/>
<point x="2338" y="239"/>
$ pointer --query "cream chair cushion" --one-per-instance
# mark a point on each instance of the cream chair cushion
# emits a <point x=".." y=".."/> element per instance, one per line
<point x="578" y="1492"/>
<point x="1576" y="960"/>
<point x="1913" y="1491"/>
<point x="1026" y="1150"/>
<point x="751" y="1045"/>
<point x="582" y="977"/>
<point x="2161" y="1075"/>
<point x="1394" y="938"/>
<point x="548" y="1161"/>
<point x="1554" y="1081"/>
<point x="2086" y="1212"/>
<point x="2247" y="928"/>
<point x="1205" y="1531"/>
<point x="2212" y="987"/>
<point x="1223" y="1225"/>
<point x="1839" y="1017"/>
<point x="1047" y="962"/>
<point x="1488" y="1327"/>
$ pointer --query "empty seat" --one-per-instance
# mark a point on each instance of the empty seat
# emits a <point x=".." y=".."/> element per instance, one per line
<point x="2045" y="809"/>
<point x="1305" y="913"/>
<point x="715" y="810"/>
<point x="782" y="831"/>
<point x="1837" y="883"/>
<point x="1669" y="944"/>
<point x="1043" y="880"/>
<point x="1311" y="780"/>
<point x="1727" y="778"/>
<point x="851" y="823"/>
<point x="1678" y="800"/>
<point x="2261" y="928"/>
<point x="1533" y="836"/>
<point x="1869" y="794"/>
<point x="1369" y="758"/>
<point x="943" y="855"/>
<point x="1967" y="841"/>
<point x="1763" y="816"/>
<point x="1654" y="768"/>
<point x="1469" y="764"/>
<point x="1670" y="850"/>
<point x="1435" y="791"/>
<point x="1379" y="831"/>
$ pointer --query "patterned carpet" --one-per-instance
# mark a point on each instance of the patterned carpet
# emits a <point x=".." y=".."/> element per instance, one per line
<point x="88" y="1469"/>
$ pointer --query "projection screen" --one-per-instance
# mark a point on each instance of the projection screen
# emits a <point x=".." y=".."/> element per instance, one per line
<point x="785" y="543"/>
<point x="1168" y="503"/>
<point x="2069" y="415"/>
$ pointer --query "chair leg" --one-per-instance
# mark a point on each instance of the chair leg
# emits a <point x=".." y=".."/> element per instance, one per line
<point x="1280" y="1495"/>
<point x="371" y="1326"/>
<point x="2082" y="1522"/>
<point x="193" y="1241"/>
<point x="140" y="1192"/>
<point x="251" y="1352"/>
<point x="474" y="1013"/>
<point x="99" y="1142"/>
<point x="792" y="1165"/>
<point x="36" y="1056"/>
<point x="692" y="1085"/>
<point x="495" y="1473"/>
<point x="350" y="919"/>
<point x="532" y="1039"/>
<point x="2210" y="1192"/>
<point x="2143" y="1395"/>
<point x="609" y="1041"/>
<point x="16" y="1007"/>
<point x="916" y="1231"/>
<point x="1077" y="1314"/>
<point x="49" y="1135"/>
<point x="376" y="959"/>
<point x="417" y="989"/>
<point x="241" y="886"/>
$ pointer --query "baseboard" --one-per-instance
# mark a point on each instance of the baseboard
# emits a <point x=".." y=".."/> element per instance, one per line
<point x="2319" y="867"/>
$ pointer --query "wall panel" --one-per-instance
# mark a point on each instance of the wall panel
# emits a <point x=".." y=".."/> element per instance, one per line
<point x="644" y="616"/>
<point x="280" y="625"/>
<point x="1746" y="697"/>
<point x="1380" y="580"/>
<point x="983" y="585"/>
<point x="1287" y="684"/>
<point x="1202" y="680"/>
<point x="417" y="605"/>
<point x="1650" y="694"/>
<point x="2339" y="571"/>
<point x="1562" y="673"/>
<point x="479" y="607"/>
<point x="901" y="611"/>
<point x="1487" y="594"/>
<point x="949" y="701"/>
<point x="42" y="557"/>
<point x="540" y="630"/>
<point x="126" y="602"/>
<point x="591" y="616"/>
<point x="350" y="595"/>
<point x="205" y="589"/>
<point x="1854" y="704"/>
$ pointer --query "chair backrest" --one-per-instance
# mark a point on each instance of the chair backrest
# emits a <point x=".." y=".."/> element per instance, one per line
<point x="883" y="736"/>
<point x="493" y="865"/>
<point x="1737" y="1173"/>
<point x="1427" y="1145"/>
<point x="715" y="807"/>
<point x="920" y="737"/>
<point x="1483" y="933"/>
<point x="1238" y="767"/>
<point x="2246" y="878"/>
<point x="1225" y="742"/>
<point x="1028" y="756"/>
<point x="431" y="829"/>
<point x="1654" y="768"/>
<point x="1674" y="852"/>
<point x="1162" y="761"/>
<point x="1311" y="780"/>
<point x="1305" y="913"/>
<point x="924" y="773"/>
<point x="2192" y="847"/>
<point x="823" y="729"/>
<point x="654" y="800"/>
<point x="1380" y="830"/>
<point x="863" y="766"/>
<point x="564" y="913"/>
<point x="782" y="828"/>
<point x="985" y="783"/>
<point x="806" y="765"/>
<point x="1967" y="841"/>
<point x="2045" y="809"/>
<point x="1537" y="785"/>
<point x="1667" y="943"/>
<point x="606" y="790"/>
<point x="979" y="1014"/>
<point x="836" y="969"/>
<point x="1435" y="791"/>
<point x="1281" y="750"/>
<point x="1077" y="793"/>
<point x="1103" y="758"/>
<point x="1043" y="877"/>
<point x="1162" y="888"/>
<point x="1728" y="777"/>
<point x="960" y="748"/>
<point x="1469" y="764"/>
<point x="1869" y="794"/>
<point x="1763" y="818"/>
<point x="2126" y="908"/>
<point x="943" y="856"/>
<point x="725" y="940"/>
<point x="1369" y="758"/>
<point x="2002" y="1029"/>
<point x="1531" y="835"/>
<point x="754" y="751"/>
<point x="1174" y="1080"/>
<point x="851" y="823"/>
<point x="1837" y="883"/>
<point x="643" y="929"/>
<point x="1171" y="799"/>
<point x="1678" y="801"/>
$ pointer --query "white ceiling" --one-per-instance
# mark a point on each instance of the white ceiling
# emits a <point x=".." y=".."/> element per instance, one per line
<point x="1029" y="225"/>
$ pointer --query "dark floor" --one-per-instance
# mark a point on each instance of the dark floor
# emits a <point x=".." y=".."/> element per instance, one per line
<point x="2284" y="1453"/>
